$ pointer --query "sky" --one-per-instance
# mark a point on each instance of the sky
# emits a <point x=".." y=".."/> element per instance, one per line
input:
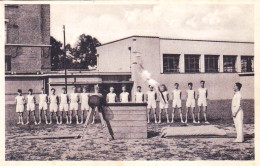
<point x="111" y="22"/>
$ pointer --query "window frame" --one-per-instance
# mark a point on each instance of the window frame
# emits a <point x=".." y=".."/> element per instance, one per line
<point x="194" y="70"/>
<point x="216" y="70"/>
<point x="252" y="65"/>
<point x="170" y="57"/>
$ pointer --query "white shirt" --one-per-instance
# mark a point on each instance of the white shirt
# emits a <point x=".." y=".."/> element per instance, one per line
<point x="124" y="97"/>
<point x="73" y="97"/>
<point x="165" y="93"/>
<point x="202" y="93"/>
<point x="176" y="94"/>
<point x="19" y="100"/>
<point x="190" y="94"/>
<point x="43" y="98"/>
<point x="111" y="97"/>
<point x="30" y="98"/>
<point x="64" y="98"/>
<point x="236" y="101"/>
<point x="84" y="98"/>
<point x="53" y="99"/>
<point x="151" y="96"/>
<point x="139" y="97"/>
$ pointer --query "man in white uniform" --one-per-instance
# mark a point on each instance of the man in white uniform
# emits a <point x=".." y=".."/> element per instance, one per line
<point x="20" y="101"/>
<point x="31" y="106"/>
<point x="64" y="106"/>
<point x="43" y="106"/>
<point x="111" y="96"/>
<point x="151" y="97"/>
<point x="190" y="103"/>
<point x="124" y="96"/>
<point x="74" y="106"/>
<point x="237" y="113"/>
<point x="84" y="97"/>
<point x="176" y="102"/>
<point x="139" y="95"/>
<point x="53" y="100"/>
<point x="202" y="101"/>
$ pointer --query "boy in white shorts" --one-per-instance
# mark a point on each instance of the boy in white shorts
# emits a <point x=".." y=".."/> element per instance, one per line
<point x="139" y="95"/>
<point x="53" y="100"/>
<point x="190" y="103"/>
<point x="84" y="97"/>
<point x="202" y="101"/>
<point x="176" y="102"/>
<point x="43" y="106"/>
<point x="64" y="106"/>
<point x="151" y="97"/>
<point x="124" y="96"/>
<point x="31" y="106"/>
<point x="111" y="96"/>
<point x="74" y="104"/>
<point x="164" y="102"/>
<point x="20" y="101"/>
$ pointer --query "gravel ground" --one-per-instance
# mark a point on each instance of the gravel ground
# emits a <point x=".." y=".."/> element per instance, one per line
<point x="95" y="146"/>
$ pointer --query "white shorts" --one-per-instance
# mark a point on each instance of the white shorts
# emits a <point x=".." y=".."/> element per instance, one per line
<point x="164" y="105"/>
<point x="202" y="102"/>
<point x="84" y="106"/>
<point x="30" y="106"/>
<point x="64" y="107"/>
<point x="43" y="106"/>
<point x="20" y="108"/>
<point x="53" y="107"/>
<point x="190" y="103"/>
<point x="176" y="103"/>
<point x="151" y="104"/>
<point x="74" y="106"/>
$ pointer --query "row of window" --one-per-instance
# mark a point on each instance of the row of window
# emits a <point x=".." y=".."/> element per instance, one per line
<point x="171" y="63"/>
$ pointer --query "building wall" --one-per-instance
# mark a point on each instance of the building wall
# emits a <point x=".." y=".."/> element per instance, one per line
<point x="28" y="24"/>
<point x="150" y="51"/>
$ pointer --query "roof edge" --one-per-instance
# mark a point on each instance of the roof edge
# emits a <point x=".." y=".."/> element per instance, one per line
<point x="221" y="41"/>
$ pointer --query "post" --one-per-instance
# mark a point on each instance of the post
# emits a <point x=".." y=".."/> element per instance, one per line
<point x="64" y="54"/>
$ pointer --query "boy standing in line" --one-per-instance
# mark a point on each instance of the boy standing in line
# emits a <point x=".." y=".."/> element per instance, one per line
<point x="84" y="97"/>
<point x="190" y="103"/>
<point x="111" y="96"/>
<point x="74" y="106"/>
<point x="43" y="106"/>
<point x="124" y="96"/>
<point x="31" y="106"/>
<point x="151" y="97"/>
<point x="20" y="101"/>
<point x="139" y="95"/>
<point x="238" y="113"/>
<point x="176" y="103"/>
<point x="53" y="100"/>
<point x="64" y="106"/>
<point x="202" y="101"/>
<point x="164" y="99"/>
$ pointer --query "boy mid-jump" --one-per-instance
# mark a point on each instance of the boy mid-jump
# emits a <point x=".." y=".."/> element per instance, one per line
<point x="202" y="101"/>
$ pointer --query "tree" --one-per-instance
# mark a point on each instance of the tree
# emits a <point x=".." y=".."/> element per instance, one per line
<point x="85" y="52"/>
<point x="56" y="54"/>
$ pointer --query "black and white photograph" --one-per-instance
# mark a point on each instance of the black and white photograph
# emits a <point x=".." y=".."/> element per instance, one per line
<point x="129" y="81"/>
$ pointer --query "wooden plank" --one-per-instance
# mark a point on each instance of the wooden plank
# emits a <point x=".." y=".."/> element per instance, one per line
<point x="129" y="129"/>
<point x="52" y="137"/>
<point x="124" y="117"/>
<point x="130" y="135"/>
<point x="126" y="112"/>
<point x="133" y="123"/>
<point x="129" y="108"/>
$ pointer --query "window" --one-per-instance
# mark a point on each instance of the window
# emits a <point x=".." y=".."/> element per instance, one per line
<point x="229" y="64"/>
<point x="211" y="63"/>
<point x="6" y="30"/>
<point x="171" y="63"/>
<point x="7" y="63"/>
<point x="247" y="63"/>
<point x="192" y="63"/>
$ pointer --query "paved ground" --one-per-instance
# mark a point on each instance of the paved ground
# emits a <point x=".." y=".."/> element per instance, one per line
<point x="95" y="146"/>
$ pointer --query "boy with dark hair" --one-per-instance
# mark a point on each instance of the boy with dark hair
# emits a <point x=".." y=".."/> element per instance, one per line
<point x="151" y="97"/>
<point x="176" y="102"/>
<point x="43" y="106"/>
<point x="139" y="95"/>
<point x="202" y="101"/>
<point x="53" y="100"/>
<point x="237" y="112"/>
<point x="64" y="105"/>
<point x="20" y="101"/>
<point x="84" y="97"/>
<point x="74" y="104"/>
<point x="190" y="103"/>
<point x="31" y="106"/>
